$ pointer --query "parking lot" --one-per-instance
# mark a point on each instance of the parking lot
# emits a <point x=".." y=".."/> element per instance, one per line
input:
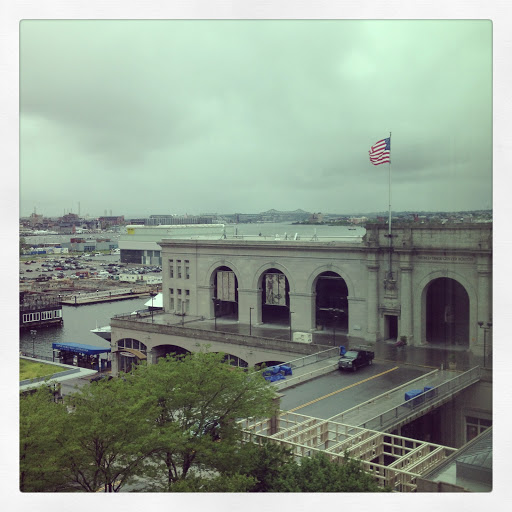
<point x="80" y="267"/>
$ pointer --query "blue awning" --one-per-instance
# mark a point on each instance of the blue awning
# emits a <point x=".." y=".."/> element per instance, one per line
<point x="79" y="348"/>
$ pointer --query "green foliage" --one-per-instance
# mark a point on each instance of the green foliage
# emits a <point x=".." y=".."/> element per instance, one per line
<point x="319" y="474"/>
<point x="33" y="369"/>
<point x="169" y="424"/>
<point x="108" y="436"/>
<point x="218" y="483"/>
<point x="170" y="427"/>
<point x="265" y="463"/>
<point x="42" y="423"/>
<point x="197" y="402"/>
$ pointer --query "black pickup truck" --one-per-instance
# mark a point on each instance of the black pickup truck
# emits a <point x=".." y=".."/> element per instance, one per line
<point x="355" y="358"/>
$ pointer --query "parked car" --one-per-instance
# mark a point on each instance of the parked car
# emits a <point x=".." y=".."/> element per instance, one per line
<point x="354" y="359"/>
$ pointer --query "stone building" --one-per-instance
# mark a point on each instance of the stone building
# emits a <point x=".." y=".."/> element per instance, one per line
<point x="429" y="283"/>
<point x="432" y="284"/>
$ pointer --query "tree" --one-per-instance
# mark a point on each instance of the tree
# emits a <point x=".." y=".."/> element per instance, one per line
<point x="198" y="400"/>
<point x="107" y="435"/>
<point x="320" y="474"/>
<point x="264" y="463"/>
<point x="42" y="423"/>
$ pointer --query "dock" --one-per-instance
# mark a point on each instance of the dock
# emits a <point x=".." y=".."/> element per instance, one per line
<point x="82" y="299"/>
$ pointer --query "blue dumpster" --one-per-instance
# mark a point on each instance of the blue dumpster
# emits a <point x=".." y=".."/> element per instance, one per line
<point x="285" y="370"/>
<point x="414" y="397"/>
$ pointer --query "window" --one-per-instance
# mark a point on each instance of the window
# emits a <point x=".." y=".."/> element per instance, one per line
<point x="475" y="426"/>
<point x="187" y="269"/>
<point x="171" y="303"/>
<point x="179" y="291"/>
<point x="171" y="269"/>
<point x="187" y="292"/>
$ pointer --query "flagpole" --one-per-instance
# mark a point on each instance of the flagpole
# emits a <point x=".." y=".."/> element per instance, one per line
<point x="389" y="168"/>
<point x="389" y="213"/>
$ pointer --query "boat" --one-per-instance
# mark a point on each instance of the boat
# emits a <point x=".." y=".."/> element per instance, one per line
<point x="39" y="310"/>
<point x="155" y="302"/>
<point x="103" y="332"/>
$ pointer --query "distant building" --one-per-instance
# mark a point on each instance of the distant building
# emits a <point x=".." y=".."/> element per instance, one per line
<point x="316" y="218"/>
<point x="171" y="220"/>
<point x="107" y="222"/>
<point x="140" y="244"/>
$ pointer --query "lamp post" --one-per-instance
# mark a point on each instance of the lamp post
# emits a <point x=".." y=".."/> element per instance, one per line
<point x="485" y="328"/>
<point x="152" y="298"/>
<point x="33" y="333"/>
<point x="215" y="304"/>
<point x="250" y="321"/>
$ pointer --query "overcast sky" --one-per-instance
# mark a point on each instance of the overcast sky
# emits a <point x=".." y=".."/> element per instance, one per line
<point x="156" y="117"/>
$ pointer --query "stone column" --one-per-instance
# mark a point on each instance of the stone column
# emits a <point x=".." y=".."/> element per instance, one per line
<point x="484" y="313"/>
<point x="115" y="364"/>
<point x="373" y="301"/>
<point x="151" y="356"/>
<point x="302" y="305"/>
<point x="406" y="302"/>
<point x="249" y="298"/>
<point x="203" y="303"/>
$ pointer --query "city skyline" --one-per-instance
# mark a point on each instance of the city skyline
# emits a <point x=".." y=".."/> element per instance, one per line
<point x="231" y="116"/>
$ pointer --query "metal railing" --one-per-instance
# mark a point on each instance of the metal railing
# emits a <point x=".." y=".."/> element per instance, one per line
<point x="314" y="358"/>
<point x="342" y="416"/>
<point x="422" y="401"/>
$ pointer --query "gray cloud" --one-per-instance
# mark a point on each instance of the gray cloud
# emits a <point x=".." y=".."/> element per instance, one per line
<point x="193" y="116"/>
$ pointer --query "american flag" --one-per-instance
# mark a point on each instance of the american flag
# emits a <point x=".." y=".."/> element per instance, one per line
<point x="380" y="152"/>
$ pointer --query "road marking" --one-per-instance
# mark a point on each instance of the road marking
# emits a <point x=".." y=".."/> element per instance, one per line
<point x="343" y="389"/>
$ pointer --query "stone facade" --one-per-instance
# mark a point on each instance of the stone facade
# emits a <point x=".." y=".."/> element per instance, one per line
<point x="387" y="278"/>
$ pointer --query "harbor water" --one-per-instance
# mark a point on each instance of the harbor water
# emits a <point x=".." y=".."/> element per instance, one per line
<point x="77" y="325"/>
<point x="79" y="320"/>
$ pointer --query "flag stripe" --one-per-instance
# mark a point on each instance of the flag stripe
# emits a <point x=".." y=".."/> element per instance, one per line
<point x="380" y="152"/>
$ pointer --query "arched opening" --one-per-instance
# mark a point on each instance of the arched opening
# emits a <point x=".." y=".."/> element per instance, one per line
<point x="447" y="312"/>
<point x="165" y="350"/>
<point x="131" y="352"/>
<point x="225" y="293"/>
<point x="275" y="298"/>
<point x="331" y="302"/>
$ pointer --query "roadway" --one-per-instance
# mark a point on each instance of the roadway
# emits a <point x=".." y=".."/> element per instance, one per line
<point x="337" y="391"/>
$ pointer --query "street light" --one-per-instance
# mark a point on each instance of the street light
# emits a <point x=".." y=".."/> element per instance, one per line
<point x="335" y="315"/>
<point x="485" y="328"/>
<point x="250" y="321"/>
<point x="152" y="297"/>
<point x="215" y="304"/>
<point x="33" y="333"/>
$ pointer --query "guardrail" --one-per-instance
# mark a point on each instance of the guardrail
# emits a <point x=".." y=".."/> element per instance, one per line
<point x="422" y="401"/>
<point x="314" y="358"/>
<point x="341" y="417"/>
<point x="293" y="381"/>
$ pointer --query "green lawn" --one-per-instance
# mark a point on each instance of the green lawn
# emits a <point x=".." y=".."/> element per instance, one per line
<point x="33" y="369"/>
